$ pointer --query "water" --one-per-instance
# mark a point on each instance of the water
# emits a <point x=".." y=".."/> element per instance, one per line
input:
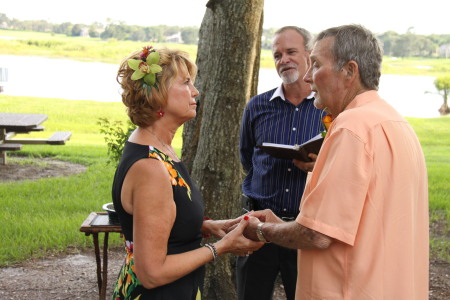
<point x="74" y="80"/>
<point x="60" y="78"/>
<point x="407" y="94"/>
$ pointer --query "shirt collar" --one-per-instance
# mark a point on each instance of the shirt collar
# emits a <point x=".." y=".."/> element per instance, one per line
<point x="279" y="93"/>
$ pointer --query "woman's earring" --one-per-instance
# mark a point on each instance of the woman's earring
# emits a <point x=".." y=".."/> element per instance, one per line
<point x="160" y="113"/>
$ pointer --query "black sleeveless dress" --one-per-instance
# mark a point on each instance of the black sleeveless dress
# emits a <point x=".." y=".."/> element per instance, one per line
<point x="185" y="235"/>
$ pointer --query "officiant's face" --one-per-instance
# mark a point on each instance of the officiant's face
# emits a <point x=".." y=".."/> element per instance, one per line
<point x="290" y="56"/>
<point x="325" y="80"/>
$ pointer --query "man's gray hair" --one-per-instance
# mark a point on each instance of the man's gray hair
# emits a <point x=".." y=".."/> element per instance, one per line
<point x="354" y="42"/>
<point x="307" y="37"/>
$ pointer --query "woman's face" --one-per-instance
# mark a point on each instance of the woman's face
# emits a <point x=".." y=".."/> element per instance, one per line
<point x="181" y="102"/>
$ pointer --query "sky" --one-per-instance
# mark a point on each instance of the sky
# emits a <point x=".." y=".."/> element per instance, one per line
<point x="422" y="17"/>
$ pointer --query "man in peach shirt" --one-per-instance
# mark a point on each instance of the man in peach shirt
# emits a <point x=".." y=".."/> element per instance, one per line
<point x="363" y="222"/>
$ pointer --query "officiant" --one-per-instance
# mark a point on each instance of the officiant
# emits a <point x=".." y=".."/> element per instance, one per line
<point x="283" y="115"/>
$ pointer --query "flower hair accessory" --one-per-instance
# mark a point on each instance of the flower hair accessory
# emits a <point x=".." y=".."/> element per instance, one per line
<point x="146" y="67"/>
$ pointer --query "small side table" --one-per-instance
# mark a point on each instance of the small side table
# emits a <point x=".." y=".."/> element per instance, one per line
<point x="95" y="223"/>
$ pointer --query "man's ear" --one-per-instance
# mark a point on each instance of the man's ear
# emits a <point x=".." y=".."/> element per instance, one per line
<point x="351" y="70"/>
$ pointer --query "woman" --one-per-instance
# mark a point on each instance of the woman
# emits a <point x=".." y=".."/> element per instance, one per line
<point x="160" y="209"/>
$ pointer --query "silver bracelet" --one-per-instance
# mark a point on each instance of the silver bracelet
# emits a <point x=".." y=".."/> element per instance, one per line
<point x="213" y="250"/>
<point x="260" y="234"/>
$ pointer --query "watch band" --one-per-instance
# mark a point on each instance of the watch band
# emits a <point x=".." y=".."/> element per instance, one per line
<point x="260" y="234"/>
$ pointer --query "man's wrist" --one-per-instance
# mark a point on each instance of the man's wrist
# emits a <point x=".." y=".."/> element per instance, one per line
<point x="260" y="234"/>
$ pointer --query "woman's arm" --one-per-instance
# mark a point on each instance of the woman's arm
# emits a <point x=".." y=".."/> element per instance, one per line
<point x="148" y="186"/>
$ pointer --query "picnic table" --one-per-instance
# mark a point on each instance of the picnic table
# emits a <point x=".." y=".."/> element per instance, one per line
<point x="15" y="123"/>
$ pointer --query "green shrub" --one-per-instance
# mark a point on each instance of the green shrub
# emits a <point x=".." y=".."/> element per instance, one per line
<point x="115" y="137"/>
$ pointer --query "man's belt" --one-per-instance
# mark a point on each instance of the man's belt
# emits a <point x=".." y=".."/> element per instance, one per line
<point x="250" y="204"/>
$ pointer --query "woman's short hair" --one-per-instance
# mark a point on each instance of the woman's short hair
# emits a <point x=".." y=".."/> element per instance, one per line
<point x="354" y="42"/>
<point x="142" y="102"/>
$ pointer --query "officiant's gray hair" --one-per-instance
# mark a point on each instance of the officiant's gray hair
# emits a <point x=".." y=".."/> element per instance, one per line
<point x="307" y="37"/>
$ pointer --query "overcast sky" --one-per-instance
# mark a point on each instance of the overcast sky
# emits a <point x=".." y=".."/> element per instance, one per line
<point x="426" y="17"/>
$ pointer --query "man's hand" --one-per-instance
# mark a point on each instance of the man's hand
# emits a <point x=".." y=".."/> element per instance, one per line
<point x="266" y="215"/>
<point x="306" y="166"/>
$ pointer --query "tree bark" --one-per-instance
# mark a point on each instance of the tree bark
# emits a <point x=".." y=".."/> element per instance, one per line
<point x="228" y="62"/>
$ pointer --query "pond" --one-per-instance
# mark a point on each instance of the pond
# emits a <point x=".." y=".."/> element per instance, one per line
<point x="75" y="80"/>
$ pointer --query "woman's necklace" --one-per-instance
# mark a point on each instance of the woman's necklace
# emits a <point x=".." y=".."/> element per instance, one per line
<point x="166" y="146"/>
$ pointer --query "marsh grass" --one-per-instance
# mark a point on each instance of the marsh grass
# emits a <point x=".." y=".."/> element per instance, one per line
<point x="113" y="51"/>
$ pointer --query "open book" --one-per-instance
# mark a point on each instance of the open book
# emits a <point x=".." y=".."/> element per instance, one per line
<point x="299" y="152"/>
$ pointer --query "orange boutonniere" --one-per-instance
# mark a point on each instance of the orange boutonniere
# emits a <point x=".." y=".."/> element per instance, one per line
<point x="326" y="121"/>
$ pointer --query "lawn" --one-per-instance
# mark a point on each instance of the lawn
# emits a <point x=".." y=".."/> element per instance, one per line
<point x="44" y="216"/>
<point x="113" y="51"/>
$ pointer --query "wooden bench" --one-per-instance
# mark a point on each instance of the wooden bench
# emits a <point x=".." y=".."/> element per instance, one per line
<point x="7" y="147"/>
<point x="58" y="138"/>
<point x="10" y="147"/>
<point x="37" y="128"/>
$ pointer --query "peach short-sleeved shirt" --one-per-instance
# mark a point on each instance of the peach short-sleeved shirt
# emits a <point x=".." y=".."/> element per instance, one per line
<point x="369" y="192"/>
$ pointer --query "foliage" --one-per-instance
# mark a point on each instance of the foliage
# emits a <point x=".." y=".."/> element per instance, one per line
<point x="115" y="137"/>
<point x="82" y="48"/>
<point x="413" y="45"/>
<point x="113" y="51"/>
<point x="400" y="45"/>
<point x="442" y="84"/>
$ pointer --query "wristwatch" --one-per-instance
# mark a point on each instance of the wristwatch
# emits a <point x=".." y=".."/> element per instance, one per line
<point x="260" y="234"/>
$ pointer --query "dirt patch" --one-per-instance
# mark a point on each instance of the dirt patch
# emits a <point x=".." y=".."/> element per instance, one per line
<point x="73" y="275"/>
<point x="21" y="168"/>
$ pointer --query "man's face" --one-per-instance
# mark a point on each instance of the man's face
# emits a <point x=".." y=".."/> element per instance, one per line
<point x="291" y="58"/>
<point x="324" y="79"/>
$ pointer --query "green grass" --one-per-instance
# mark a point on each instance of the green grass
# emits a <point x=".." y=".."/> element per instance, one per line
<point x="416" y="66"/>
<point x="113" y="51"/>
<point x="78" y="48"/>
<point x="45" y="215"/>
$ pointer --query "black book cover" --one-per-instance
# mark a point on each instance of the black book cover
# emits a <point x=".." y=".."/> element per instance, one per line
<point x="290" y="152"/>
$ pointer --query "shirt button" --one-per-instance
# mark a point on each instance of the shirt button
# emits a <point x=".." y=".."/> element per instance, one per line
<point x="284" y="209"/>
<point x="287" y="190"/>
<point x="294" y="129"/>
<point x="296" y="109"/>
<point x="289" y="169"/>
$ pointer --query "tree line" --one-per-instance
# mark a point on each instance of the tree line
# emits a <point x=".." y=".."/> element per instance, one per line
<point x="408" y="44"/>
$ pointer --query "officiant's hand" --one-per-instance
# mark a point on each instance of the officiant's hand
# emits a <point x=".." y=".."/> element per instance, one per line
<point x="306" y="166"/>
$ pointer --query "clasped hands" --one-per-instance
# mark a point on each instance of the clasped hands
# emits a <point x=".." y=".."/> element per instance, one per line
<point x="239" y="234"/>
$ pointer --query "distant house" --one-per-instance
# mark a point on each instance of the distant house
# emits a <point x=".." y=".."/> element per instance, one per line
<point x="444" y="51"/>
<point x="174" y="38"/>
<point x="84" y="32"/>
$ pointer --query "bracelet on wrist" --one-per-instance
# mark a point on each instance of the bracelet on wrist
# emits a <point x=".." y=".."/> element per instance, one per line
<point x="213" y="250"/>
<point x="260" y="234"/>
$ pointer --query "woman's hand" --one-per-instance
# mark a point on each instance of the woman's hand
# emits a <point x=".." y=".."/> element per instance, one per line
<point x="234" y="242"/>
<point x="218" y="228"/>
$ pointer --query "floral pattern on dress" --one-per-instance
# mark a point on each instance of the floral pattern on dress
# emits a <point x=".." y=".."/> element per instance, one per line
<point x="127" y="280"/>
<point x="175" y="176"/>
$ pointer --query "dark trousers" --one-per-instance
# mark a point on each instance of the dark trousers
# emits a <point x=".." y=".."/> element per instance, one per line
<point x="256" y="274"/>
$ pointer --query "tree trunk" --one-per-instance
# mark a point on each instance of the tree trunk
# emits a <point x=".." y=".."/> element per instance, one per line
<point x="228" y="62"/>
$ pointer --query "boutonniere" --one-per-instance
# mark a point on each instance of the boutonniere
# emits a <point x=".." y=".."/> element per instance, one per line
<point x="146" y="67"/>
<point x="326" y="122"/>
